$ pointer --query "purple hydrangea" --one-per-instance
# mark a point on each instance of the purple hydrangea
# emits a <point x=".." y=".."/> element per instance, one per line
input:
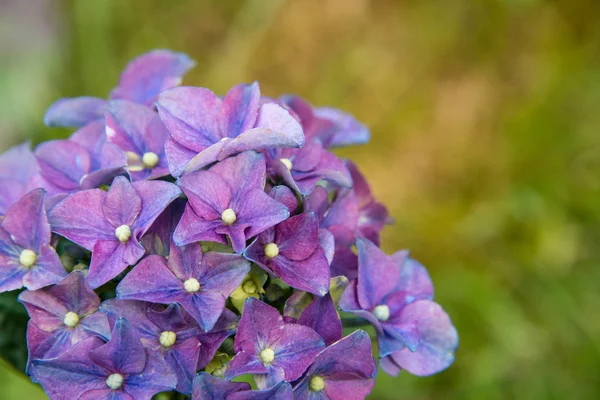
<point x="119" y="369"/>
<point x="26" y="257"/>
<point x="228" y="201"/>
<point x="395" y="295"/>
<point x="271" y="349"/>
<point x="111" y="224"/>
<point x="207" y="238"/>
<point x="62" y="316"/>
<point x="201" y="283"/>
<point x="205" y="128"/>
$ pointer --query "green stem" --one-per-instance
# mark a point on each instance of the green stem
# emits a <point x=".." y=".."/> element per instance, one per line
<point x="354" y="322"/>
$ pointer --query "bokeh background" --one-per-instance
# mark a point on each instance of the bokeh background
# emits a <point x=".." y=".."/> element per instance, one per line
<point x="485" y="120"/>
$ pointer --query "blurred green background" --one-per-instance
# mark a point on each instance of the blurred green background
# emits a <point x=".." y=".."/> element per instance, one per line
<point x="485" y="119"/>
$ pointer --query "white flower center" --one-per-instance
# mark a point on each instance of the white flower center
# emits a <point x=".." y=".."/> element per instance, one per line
<point x="123" y="233"/>
<point x="382" y="312"/>
<point x="71" y="319"/>
<point x="114" y="381"/>
<point x="250" y="287"/>
<point x="167" y="338"/>
<point x="191" y="285"/>
<point x="228" y="217"/>
<point x="28" y="258"/>
<point x="287" y="162"/>
<point x="150" y="160"/>
<point x="267" y="356"/>
<point x="316" y="383"/>
<point x="271" y="250"/>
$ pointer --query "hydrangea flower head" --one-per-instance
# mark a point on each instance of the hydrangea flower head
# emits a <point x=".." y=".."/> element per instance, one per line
<point x="178" y="240"/>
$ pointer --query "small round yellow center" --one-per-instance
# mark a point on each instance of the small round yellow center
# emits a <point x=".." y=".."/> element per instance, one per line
<point x="228" y="217"/>
<point x="28" y="258"/>
<point x="316" y="383"/>
<point x="167" y="338"/>
<point x="191" y="285"/>
<point x="287" y="162"/>
<point x="71" y="319"/>
<point x="271" y="250"/>
<point x="382" y="312"/>
<point x="114" y="381"/>
<point x="267" y="356"/>
<point x="123" y="233"/>
<point x="250" y="287"/>
<point x="150" y="160"/>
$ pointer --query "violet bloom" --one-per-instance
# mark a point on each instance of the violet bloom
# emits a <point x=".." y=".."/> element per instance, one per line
<point x="141" y="82"/>
<point x="334" y="128"/>
<point x="291" y="251"/>
<point x="26" y="257"/>
<point x="302" y="168"/>
<point x="120" y="369"/>
<point x="138" y="131"/>
<point x="207" y="387"/>
<point x="61" y="316"/>
<point x="172" y="333"/>
<point x="200" y="283"/>
<point x="270" y="349"/>
<point x="281" y="391"/>
<point x="228" y="200"/>
<point x="18" y="167"/>
<point x="343" y="371"/>
<point x="85" y="161"/>
<point x="395" y="294"/>
<point x="205" y="129"/>
<point x="112" y="224"/>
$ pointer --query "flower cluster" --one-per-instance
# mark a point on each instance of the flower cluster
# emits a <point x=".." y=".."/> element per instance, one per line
<point x="179" y="240"/>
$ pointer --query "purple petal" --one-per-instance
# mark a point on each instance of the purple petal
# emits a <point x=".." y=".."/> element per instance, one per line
<point x="439" y="340"/>
<point x="80" y="218"/>
<point x="281" y="391"/>
<point x="26" y="221"/>
<point x="285" y="196"/>
<point x="240" y="109"/>
<point x="156" y="377"/>
<point x="123" y="353"/>
<point x="63" y="164"/>
<point x="295" y="349"/>
<point x="378" y="275"/>
<point x="156" y="196"/>
<point x="207" y="193"/>
<point x="321" y="315"/>
<point x="71" y="374"/>
<point x="148" y="75"/>
<point x="275" y="127"/>
<point x="110" y="258"/>
<point x="126" y="124"/>
<point x="349" y="131"/>
<point x="207" y="387"/>
<point x="347" y="367"/>
<point x="151" y="280"/>
<point x="257" y="325"/>
<point x="191" y="115"/>
<point x="311" y="274"/>
<point x="18" y="163"/>
<point x="185" y="261"/>
<point x="122" y="204"/>
<point x="178" y="156"/>
<point x="75" y="112"/>
<point x="183" y="359"/>
<point x="46" y="271"/>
